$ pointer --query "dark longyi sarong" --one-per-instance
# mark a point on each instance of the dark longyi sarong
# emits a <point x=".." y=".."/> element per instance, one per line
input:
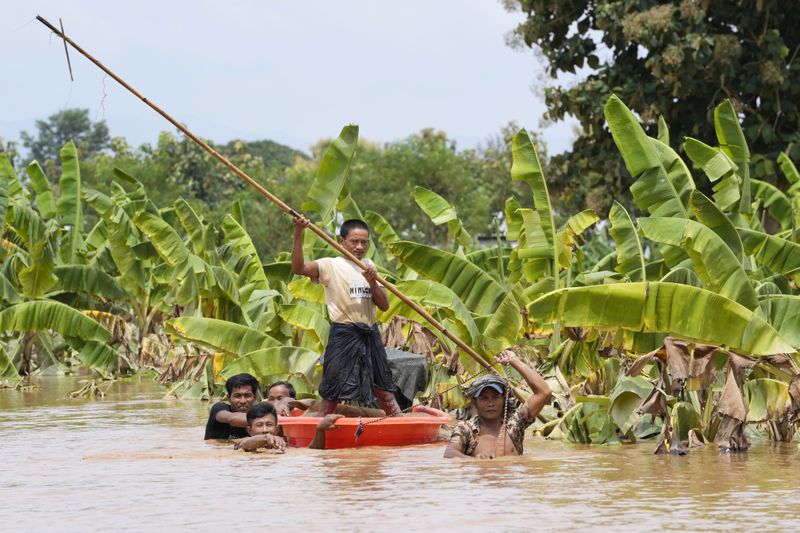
<point x="354" y="362"/>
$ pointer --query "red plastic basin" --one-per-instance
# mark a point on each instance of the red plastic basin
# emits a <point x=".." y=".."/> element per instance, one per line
<point x="395" y="431"/>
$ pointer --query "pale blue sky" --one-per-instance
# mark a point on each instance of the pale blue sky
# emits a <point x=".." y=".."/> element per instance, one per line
<point x="290" y="71"/>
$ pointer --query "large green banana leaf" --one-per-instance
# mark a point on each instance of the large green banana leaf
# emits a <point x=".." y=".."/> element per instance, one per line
<point x="709" y="214"/>
<point x="715" y="263"/>
<point x="304" y="289"/>
<point x="43" y="315"/>
<point x="220" y="335"/>
<point x="783" y="313"/>
<point x="527" y="168"/>
<point x="68" y="206"/>
<point x="332" y="175"/>
<point x="440" y="211"/>
<point x="655" y="307"/>
<point x="777" y="254"/>
<point x="433" y="297"/>
<point x="720" y="169"/>
<point x="630" y="257"/>
<point x="677" y="172"/>
<point x="732" y="141"/>
<point x="308" y="319"/>
<point x="653" y="191"/>
<point x="381" y="228"/>
<point x="275" y="361"/>
<point x="477" y="289"/>
<point x="89" y="280"/>
<point x="45" y="201"/>
<point x="163" y="237"/>
<point x="774" y="201"/>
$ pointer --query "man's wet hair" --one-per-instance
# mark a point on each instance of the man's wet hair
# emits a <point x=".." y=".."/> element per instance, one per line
<point x="349" y="225"/>
<point x="286" y="384"/>
<point x="241" y="380"/>
<point x="260" y="410"/>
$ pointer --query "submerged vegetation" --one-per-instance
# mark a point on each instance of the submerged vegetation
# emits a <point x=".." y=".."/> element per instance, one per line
<point x="684" y="329"/>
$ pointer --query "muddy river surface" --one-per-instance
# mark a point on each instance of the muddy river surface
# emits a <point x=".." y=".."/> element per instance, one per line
<point x="137" y="461"/>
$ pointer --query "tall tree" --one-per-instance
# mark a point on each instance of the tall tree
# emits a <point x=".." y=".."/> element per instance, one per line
<point x="68" y="125"/>
<point x="676" y="58"/>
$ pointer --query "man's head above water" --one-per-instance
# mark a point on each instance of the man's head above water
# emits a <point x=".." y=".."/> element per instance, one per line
<point x="242" y="390"/>
<point x="488" y="394"/>
<point x="262" y="419"/>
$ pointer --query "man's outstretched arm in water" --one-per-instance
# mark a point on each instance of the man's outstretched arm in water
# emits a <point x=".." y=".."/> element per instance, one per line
<point x="326" y="424"/>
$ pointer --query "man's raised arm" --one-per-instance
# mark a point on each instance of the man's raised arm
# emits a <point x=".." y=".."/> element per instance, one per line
<point x="541" y="390"/>
<point x="300" y="266"/>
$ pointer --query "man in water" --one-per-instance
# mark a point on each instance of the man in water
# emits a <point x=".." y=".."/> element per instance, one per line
<point x="229" y="420"/>
<point x="355" y="365"/>
<point x="484" y="436"/>
<point x="263" y="430"/>
<point x="279" y="394"/>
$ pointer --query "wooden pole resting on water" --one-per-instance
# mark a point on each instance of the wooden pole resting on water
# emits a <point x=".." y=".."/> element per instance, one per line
<point x="236" y="170"/>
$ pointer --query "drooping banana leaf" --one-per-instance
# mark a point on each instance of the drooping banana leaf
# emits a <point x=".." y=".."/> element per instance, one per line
<point x="777" y="254"/>
<point x="304" y="289"/>
<point x="720" y="169"/>
<point x="381" y="228"/>
<point x="653" y="191"/>
<point x="89" y="280"/>
<point x="503" y="329"/>
<point x="732" y="142"/>
<point x="308" y="319"/>
<point x="164" y="238"/>
<point x="513" y="219"/>
<point x="477" y="289"/>
<point x="45" y="201"/>
<point x="440" y="211"/>
<point x="655" y="307"/>
<point x="774" y="201"/>
<point x="43" y="315"/>
<point x="68" y="206"/>
<point x="715" y="263"/>
<point x="709" y="214"/>
<point x="332" y="175"/>
<point x="783" y="313"/>
<point x="629" y="256"/>
<point x="433" y="297"/>
<point x="220" y="334"/>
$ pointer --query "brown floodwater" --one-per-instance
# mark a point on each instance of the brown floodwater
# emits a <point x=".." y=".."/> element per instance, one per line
<point x="137" y="461"/>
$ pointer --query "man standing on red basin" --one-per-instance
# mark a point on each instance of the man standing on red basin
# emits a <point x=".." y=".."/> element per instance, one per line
<point x="355" y="366"/>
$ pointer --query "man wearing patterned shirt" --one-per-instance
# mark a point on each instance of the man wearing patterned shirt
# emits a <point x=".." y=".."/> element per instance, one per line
<point x="484" y="436"/>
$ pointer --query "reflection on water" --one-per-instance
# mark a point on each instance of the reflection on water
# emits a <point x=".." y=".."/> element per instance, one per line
<point x="137" y="461"/>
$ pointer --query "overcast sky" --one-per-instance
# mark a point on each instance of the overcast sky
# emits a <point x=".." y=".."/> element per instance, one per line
<point x="291" y="71"/>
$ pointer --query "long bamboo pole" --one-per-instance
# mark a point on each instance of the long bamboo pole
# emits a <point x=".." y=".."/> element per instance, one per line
<point x="286" y="208"/>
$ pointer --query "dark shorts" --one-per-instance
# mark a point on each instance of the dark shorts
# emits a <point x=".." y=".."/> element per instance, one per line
<point x="354" y="363"/>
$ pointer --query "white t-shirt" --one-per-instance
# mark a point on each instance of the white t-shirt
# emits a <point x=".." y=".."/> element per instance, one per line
<point x="347" y="293"/>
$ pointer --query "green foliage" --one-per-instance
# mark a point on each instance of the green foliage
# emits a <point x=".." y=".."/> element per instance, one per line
<point x="666" y="58"/>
